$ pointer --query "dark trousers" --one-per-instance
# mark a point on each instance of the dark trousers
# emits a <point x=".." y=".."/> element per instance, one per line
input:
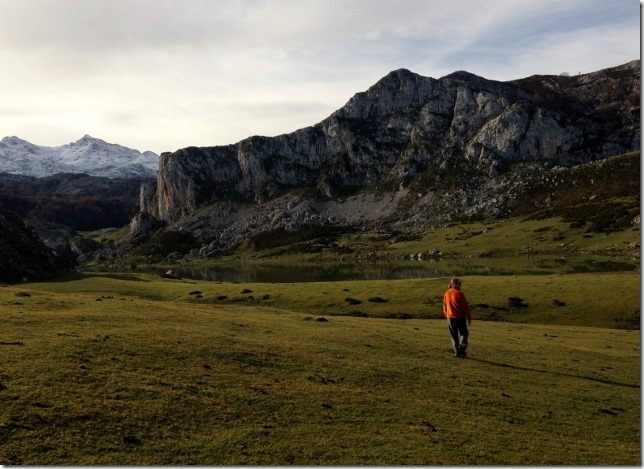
<point x="458" y="327"/>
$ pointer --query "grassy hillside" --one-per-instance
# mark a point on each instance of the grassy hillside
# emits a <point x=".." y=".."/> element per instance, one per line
<point x="134" y="369"/>
<point x="541" y="233"/>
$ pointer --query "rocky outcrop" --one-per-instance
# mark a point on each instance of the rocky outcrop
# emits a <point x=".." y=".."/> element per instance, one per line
<point x="408" y="148"/>
<point x="143" y="225"/>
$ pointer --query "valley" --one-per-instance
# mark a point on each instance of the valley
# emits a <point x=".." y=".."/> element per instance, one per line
<point x="279" y="300"/>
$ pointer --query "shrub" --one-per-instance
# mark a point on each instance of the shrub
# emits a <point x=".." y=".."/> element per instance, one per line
<point x="166" y="242"/>
<point x="377" y="299"/>
<point x="516" y="302"/>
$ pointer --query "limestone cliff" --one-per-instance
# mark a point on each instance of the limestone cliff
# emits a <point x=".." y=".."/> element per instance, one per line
<point x="406" y="143"/>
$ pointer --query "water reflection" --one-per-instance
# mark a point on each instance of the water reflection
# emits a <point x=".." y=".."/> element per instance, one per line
<point x="252" y="273"/>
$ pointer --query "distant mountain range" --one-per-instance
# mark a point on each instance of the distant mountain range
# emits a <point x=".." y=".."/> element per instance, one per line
<point x="89" y="155"/>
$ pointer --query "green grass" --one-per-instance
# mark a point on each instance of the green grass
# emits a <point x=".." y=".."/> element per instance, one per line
<point x="610" y="299"/>
<point x="134" y="369"/>
<point x="519" y="235"/>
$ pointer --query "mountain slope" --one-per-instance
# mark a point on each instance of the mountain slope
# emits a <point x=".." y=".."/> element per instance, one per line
<point x="24" y="257"/>
<point x="409" y="152"/>
<point x="88" y="155"/>
<point x="78" y="201"/>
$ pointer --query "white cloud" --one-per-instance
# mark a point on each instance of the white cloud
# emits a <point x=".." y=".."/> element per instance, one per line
<point x="162" y="74"/>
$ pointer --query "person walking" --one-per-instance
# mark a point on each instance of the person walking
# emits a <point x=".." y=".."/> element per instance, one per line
<point x="458" y="314"/>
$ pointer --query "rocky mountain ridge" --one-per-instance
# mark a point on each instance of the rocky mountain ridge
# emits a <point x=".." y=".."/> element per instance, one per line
<point x="409" y="152"/>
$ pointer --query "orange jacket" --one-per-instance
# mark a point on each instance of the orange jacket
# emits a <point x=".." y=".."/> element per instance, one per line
<point x="455" y="305"/>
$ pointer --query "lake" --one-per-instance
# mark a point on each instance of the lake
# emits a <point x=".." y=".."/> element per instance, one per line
<point x="330" y="272"/>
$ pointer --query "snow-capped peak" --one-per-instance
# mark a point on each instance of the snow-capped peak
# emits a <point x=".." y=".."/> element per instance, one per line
<point x="87" y="155"/>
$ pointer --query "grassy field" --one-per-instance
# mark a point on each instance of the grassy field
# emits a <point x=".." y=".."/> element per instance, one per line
<point x="121" y="369"/>
<point x="610" y="300"/>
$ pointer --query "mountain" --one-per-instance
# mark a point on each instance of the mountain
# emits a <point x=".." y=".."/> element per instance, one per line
<point x="88" y="155"/>
<point x="78" y="201"/>
<point x="406" y="154"/>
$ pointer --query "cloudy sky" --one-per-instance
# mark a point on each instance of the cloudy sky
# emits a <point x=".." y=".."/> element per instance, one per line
<point x="161" y="75"/>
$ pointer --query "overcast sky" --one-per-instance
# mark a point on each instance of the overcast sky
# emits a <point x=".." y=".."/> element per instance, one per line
<point x="161" y="75"/>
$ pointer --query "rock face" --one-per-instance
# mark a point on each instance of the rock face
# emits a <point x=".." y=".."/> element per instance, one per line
<point x="409" y="150"/>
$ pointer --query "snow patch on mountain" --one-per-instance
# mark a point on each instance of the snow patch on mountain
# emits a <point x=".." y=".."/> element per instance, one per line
<point x="88" y="155"/>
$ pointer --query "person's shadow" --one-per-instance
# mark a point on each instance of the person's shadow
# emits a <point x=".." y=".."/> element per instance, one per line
<point x="535" y="370"/>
